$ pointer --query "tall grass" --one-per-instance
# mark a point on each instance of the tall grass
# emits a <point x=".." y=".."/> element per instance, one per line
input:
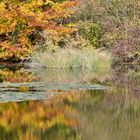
<point x="73" y="58"/>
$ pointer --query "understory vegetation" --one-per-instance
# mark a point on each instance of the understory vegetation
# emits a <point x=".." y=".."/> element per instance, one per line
<point x="70" y="33"/>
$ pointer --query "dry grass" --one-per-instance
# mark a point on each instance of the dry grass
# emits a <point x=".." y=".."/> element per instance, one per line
<point x="73" y="58"/>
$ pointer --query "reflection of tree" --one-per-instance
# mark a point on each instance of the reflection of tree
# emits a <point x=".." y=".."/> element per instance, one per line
<point x="127" y="80"/>
<point x="73" y="116"/>
<point x="15" y="76"/>
<point x="38" y="120"/>
<point x="108" y="114"/>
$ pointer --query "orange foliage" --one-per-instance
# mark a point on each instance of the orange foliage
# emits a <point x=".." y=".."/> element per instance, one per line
<point x="20" y="21"/>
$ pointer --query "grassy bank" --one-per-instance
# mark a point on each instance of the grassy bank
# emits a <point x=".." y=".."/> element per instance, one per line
<point x="73" y="58"/>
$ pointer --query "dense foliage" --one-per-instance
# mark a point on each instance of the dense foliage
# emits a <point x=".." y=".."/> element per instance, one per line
<point x="26" y="25"/>
<point x="112" y="24"/>
<point x="22" y="21"/>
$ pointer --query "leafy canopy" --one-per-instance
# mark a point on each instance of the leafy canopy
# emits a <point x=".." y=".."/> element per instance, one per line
<point x="22" y="20"/>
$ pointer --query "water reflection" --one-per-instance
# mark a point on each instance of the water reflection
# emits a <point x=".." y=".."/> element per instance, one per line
<point x="75" y="115"/>
<point x="39" y="120"/>
<point x="20" y="84"/>
<point x="97" y="75"/>
<point x="109" y="114"/>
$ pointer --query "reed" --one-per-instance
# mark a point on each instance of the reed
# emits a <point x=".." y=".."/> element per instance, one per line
<point x="73" y="58"/>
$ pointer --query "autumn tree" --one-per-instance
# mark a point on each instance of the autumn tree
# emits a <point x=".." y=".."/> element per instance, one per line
<point x="22" y="20"/>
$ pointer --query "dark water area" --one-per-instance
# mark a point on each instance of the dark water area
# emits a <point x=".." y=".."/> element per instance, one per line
<point x="58" y="104"/>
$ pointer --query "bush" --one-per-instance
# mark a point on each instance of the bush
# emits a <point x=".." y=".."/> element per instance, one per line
<point x="91" y="32"/>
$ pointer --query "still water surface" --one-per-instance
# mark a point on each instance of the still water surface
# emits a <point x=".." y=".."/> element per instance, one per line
<point x="56" y="104"/>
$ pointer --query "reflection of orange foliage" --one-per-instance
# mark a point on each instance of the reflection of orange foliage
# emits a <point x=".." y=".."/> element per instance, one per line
<point x="71" y="96"/>
<point x="15" y="76"/>
<point x="38" y="116"/>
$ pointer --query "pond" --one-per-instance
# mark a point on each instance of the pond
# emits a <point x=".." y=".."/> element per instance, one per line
<point x="60" y="104"/>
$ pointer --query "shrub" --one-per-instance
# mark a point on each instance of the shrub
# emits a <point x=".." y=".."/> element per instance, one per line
<point x="91" y="32"/>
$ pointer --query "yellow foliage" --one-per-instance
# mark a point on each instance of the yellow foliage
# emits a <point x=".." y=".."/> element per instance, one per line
<point x="20" y="23"/>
